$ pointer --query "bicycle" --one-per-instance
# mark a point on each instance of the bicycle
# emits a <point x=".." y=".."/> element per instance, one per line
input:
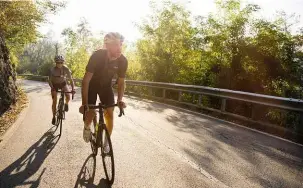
<point x="60" y="114"/>
<point x="98" y="137"/>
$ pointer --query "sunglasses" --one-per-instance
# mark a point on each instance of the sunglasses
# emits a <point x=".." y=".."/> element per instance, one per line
<point x="59" y="62"/>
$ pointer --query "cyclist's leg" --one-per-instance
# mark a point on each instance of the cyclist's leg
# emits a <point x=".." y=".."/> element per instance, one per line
<point x="89" y="118"/>
<point x="54" y="103"/>
<point x="108" y="98"/>
<point x="92" y="98"/>
<point x="109" y="119"/>
<point x="67" y="96"/>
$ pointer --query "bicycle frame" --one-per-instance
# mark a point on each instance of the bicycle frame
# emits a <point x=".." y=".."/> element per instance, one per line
<point x="100" y="125"/>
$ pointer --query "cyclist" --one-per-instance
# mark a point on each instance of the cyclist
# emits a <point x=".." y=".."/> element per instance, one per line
<point x="103" y="65"/>
<point x="58" y="80"/>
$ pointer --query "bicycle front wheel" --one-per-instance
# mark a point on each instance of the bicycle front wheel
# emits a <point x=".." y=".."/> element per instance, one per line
<point x="107" y="156"/>
<point x="60" y="122"/>
<point x="60" y="115"/>
<point x="95" y="140"/>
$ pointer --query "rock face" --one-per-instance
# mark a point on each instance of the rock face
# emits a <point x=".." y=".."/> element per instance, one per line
<point x="7" y="78"/>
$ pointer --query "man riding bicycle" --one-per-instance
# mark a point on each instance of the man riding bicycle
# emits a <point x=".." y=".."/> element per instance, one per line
<point x="100" y="70"/>
<point x="58" y="80"/>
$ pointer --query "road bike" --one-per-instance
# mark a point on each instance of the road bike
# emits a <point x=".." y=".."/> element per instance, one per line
<point x="99" y="136"/>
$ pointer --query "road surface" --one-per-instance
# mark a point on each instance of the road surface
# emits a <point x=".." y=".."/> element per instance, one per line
<point x="155" y="145"/>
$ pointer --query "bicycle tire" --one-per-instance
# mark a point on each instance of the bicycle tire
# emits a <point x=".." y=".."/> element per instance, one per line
<point x="60" y="114"/>
<point x="57" y="119"/>
<point x="60" y="126"/>
<point x="110" y="177"/>
<point x="94" y="140"/>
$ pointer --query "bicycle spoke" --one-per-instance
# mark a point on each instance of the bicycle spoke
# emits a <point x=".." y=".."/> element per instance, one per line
<point x="93" y="140"/>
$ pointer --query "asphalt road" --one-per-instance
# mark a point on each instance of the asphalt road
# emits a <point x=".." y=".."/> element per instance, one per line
<point x="155" y="145"/>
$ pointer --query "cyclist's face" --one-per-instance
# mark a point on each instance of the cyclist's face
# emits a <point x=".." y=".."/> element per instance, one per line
<point x="59" y="64"/>
<point x="115" y="49"/>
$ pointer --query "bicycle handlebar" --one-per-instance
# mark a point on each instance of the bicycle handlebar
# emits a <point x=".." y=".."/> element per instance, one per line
<point x="72" y="92"/>
<point x="103" y="107"/>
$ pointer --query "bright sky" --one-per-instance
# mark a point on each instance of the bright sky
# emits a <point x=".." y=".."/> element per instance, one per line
<point x="121" y="15"/>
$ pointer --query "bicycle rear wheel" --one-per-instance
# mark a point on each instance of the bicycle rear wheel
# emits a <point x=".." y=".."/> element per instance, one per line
<point x="107" y="158"/>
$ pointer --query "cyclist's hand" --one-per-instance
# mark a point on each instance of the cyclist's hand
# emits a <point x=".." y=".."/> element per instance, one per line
<point x="73" y="91"/>
<point x="121" y="104"/>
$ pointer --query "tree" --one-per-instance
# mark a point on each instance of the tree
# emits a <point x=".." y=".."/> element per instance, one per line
<point x="37" y="58"/>
<point x="165" y="49"/>
<point x="79" y="44"/>
<point x="20" y="20"/>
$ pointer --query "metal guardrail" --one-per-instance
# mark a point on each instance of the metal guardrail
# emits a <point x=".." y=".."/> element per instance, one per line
<point x="289" y="104"/>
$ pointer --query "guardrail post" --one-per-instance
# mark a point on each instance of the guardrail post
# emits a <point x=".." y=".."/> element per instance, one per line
<point x="163" y="94"/>
<point x="180" y="96"/>
<point x="200" y="99"/>
<point x="253" y="112"/>
<point x="150" y="92"/>
<point x="223" y="105"/>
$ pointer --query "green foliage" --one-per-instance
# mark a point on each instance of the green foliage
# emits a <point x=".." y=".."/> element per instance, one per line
<point x="38" y="57"/>
<point x="20" y="20"/>
<point x="79" y="45"/>
<point x="227" y="49"/>
<point x="164" y="52"/>
<point x="134" y="66"/>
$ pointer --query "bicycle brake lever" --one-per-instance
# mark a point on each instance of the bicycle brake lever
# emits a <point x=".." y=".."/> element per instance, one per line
<point x="121" y="112"/>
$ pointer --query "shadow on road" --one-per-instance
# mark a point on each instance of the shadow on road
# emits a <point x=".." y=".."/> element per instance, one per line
<point x="103" y="184"/>
<point x="86" y="175"/>
<point x="29" y="163"/>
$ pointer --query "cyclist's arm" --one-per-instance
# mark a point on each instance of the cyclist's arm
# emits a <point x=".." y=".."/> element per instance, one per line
<point x="90" y="69"/>
<point x="121" y="88"/>
<point x="69" y="75"/>
<point x="50" y="80"/>
<point x="121" y="78"/>
<point x="72" y="84"/>
<point x="85" y="84"/>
